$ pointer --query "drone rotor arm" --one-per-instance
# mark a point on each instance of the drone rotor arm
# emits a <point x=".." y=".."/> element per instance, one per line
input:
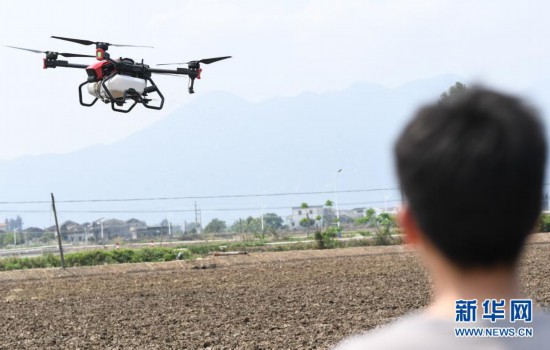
<point x="69" y="55"/>
<point x="171" y="64"/>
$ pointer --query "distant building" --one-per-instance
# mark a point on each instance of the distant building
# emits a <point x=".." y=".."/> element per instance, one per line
<point x="154" y="231"/>
<point x="33" y="233"/>
<point x="313" y="212"/>
<point x="70" y="229"/>
<point x="135" y="226"/>
<point x="354" y="213"/>
<point x="115" y="228"/>
<point x="390" y="210"/>
<point x="106" y="229"/>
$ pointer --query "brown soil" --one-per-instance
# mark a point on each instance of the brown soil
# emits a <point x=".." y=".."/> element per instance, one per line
<point x="288" y="300"/>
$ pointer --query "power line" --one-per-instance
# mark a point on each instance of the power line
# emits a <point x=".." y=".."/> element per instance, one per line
<point x="184" y="210"/>
<point x="282" y="194"/>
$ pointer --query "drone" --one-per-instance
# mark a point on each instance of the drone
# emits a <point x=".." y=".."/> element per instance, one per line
<point x="118" y="81"/>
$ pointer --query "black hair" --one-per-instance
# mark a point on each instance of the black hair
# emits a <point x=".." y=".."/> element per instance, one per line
<point x="471" y="168"/>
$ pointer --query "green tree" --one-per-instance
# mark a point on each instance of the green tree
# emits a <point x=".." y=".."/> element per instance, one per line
<point x="455" y="90"/>
<point x="8" y="238"/>
<point x="248" y="225"/>
<point x="273" y="222"/>
<point x="215" y="226"/>
<point x="318" y="219"/>
<point x="306" y="222"/>
<point x="368" y="219"/>
<point x="328" y="213"/>
<point x="14" y="224"/>
<point x="386" y="219"/>
<point x="47" y="236"/>
<point x="238" y="226"/>
<point x="253" y="225"/>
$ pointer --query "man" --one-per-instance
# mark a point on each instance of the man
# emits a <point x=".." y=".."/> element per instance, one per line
<point x="471" y="168"/>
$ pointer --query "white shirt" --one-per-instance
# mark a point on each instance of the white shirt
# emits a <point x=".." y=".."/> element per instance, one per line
<point x="424" y="332"/>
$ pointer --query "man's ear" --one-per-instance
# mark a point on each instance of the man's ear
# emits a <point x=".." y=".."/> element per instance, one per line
<point x="407" y="222"/>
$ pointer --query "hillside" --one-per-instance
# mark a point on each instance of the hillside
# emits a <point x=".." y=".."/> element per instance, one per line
<point x="222" y="144"/>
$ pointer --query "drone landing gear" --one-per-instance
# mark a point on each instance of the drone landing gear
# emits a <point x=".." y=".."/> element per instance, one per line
<point x="80" y="96"/>
<point x="191" y="84"/>
<point x="133" y="95"/>
<point x="152" y="89"/>
<point x="130" y="94"/>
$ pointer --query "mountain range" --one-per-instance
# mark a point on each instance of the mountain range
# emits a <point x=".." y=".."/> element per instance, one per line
<point x="221" y="144"/>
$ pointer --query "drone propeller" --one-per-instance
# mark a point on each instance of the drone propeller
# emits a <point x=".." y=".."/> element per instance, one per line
<point x="204" y="60"/>
<point x="89" y="42"/>
<point x="52" y="53"/>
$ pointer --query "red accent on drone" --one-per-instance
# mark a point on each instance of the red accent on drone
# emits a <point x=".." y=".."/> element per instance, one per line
<point x="97" y="69"/>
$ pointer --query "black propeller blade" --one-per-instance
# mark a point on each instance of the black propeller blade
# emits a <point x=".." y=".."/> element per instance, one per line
<point x="64" y="54"/>
<point x="212" y="60"/>
<point x="204" y="60"/>
<point x="89" y="42"/>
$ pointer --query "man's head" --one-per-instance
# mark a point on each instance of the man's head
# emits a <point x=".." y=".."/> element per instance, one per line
<point x="471" y="169"/>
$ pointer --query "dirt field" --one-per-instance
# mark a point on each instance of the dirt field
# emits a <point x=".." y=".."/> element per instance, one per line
<point x="288" y="300"/>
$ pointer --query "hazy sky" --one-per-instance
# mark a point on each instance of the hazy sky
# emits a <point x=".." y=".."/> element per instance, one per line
<point x="279" y="48"/>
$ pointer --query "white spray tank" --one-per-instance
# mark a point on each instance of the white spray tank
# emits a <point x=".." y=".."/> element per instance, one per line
<point x="117" y="85"/>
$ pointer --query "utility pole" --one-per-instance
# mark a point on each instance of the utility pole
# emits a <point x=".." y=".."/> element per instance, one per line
<point x="198" y="219"/>
<point x="386" y="197"/>
<point x="102" y="235"/>
<point x="262" y="221"/>
<point x="58" y="233"/>
<point x="161" y="232"/>
<point x="336" y="204"/>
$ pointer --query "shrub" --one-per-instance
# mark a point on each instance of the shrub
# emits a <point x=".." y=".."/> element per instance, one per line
<point x="325" y="239"/>
<point x="544" y="223"/>
<point x="92" y="257"/>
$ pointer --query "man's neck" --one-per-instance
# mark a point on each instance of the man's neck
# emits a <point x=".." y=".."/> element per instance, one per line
<point x="453" y="285"/>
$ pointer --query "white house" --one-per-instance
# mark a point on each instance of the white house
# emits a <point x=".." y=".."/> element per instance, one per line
<point x="313" y="212"/>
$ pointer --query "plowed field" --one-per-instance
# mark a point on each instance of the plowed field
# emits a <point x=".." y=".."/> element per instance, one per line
<point x="287" y="300"/>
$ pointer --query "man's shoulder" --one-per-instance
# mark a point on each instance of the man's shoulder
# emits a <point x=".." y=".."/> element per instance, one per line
<point x="419" y="331"/>
<point x="398" y="334"/>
